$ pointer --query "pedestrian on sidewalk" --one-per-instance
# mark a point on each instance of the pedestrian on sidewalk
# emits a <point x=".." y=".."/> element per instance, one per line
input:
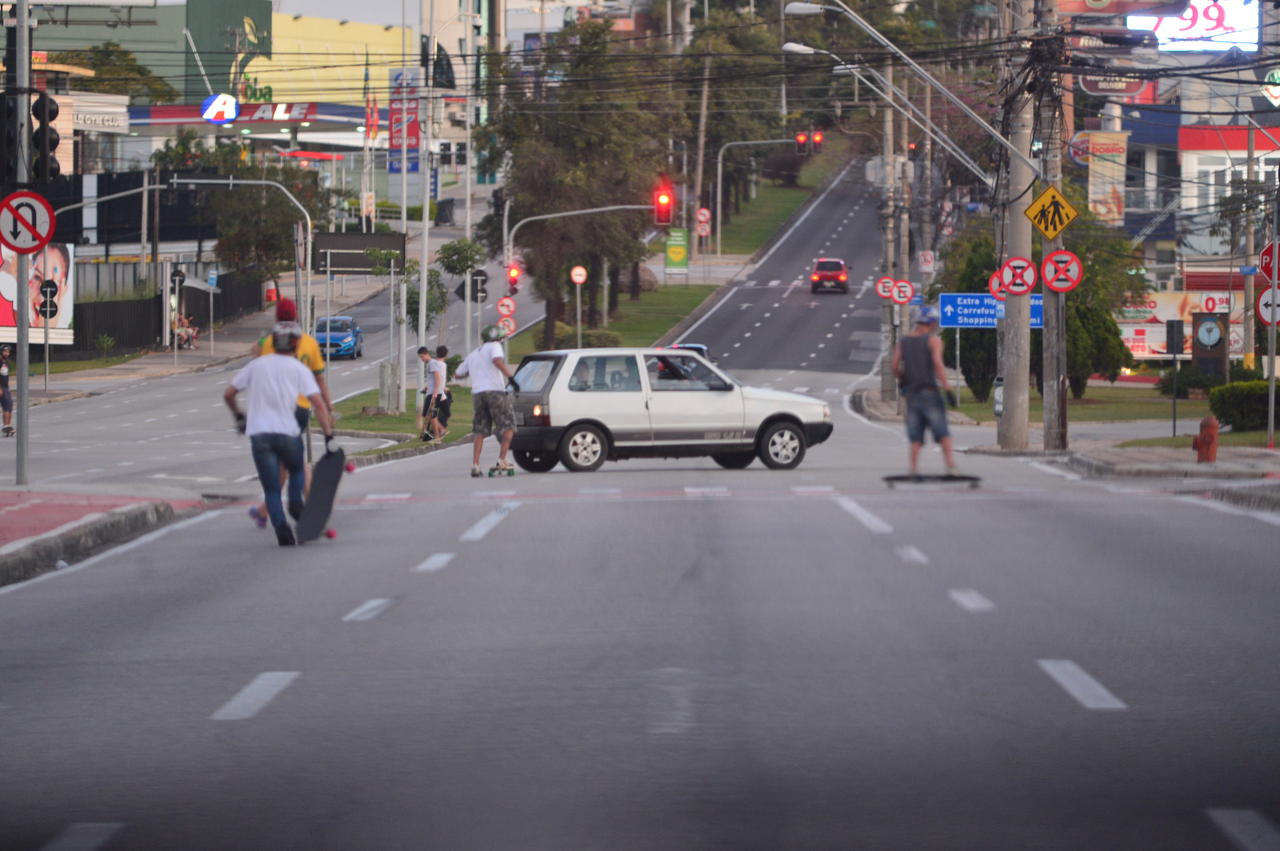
<point x="922" y="378"/>
<point x="493" y="413"/>
<point x="307" y="351"/>
<point x="273" y="384"/>
<point x="6" y="397"/>
<point x="437" y="402"/>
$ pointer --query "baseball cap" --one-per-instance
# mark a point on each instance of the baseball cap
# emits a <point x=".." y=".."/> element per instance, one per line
<point x="286" y="310"/>
<point x="928" y="316"/>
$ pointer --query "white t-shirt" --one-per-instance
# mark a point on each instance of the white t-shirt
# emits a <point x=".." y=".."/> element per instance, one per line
<point x="274" y="383"/>
<point x="485" y="376"/>
<point x="436" y="371"/>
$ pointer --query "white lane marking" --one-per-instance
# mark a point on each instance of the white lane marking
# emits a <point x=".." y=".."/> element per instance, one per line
<point x="494" y="494"/>
<point x="487" y="523"/>
<point x="1250" y="830"/>
<point x="673" y="706"/>
<point x="83" y="836"/>
<point x="711" y="491"/>
<point x="970" y="600"/>
<point x="800" y="389"/>
<point x="434" y="562"/>
<point x="368" y="610"/>
<point x="767" y="314"/>
<point x="1055" y="471"/>
<point x="829" y="335"/>
<point x="817" y="202"/>
<point x="866" y="518"/>
<point x="911" y="555"/>
<point x="254" y="697"/>
<point x="746" y="334"/>
<point x="387" y="497"/>
<point x="150" y="419"/>
<point x="758" y="324"/>
<point x="774" y="283"/>
<point x="721" y="303"/>
<point x="1225" y="508"/>
<point x="193" y="410"/>
<point x="1076" y="682"/>
<point x="813" y="490"/>
<point x="736" y="345"/>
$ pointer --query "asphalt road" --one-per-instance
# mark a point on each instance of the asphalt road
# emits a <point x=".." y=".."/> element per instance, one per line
<point x="663" y="654"/>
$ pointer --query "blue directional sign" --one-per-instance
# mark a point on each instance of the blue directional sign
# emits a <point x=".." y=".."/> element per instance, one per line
<point x="393" y="160"/>
<point x="980" y="310"/>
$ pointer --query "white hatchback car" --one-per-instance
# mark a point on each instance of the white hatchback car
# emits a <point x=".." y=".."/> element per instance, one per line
<point x="580" y="407"/>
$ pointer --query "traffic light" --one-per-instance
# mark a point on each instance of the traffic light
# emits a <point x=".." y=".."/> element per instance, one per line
<point x="663" y="204"/>
<point x="802" y="143"/>
<point x="44" y="139"/>
<point x="816" y="139"/>
<point x="8" y="138"/>
<point x="513" y="279"/>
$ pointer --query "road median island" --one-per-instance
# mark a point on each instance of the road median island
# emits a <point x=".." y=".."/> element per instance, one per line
<point x="93" y="533"/>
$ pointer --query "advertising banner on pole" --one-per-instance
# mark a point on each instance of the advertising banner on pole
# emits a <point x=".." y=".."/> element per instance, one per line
<point x="677" y="253"/>
<point x="1107" y="152"/>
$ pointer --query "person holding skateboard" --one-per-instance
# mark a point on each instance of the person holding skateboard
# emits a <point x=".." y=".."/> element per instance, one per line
<point x="493" y="413"/>
<point x="6" y="397"/>
<point x="437" y="401"/>
<point x="917" y="362"/>
<point x="273" y="384"/>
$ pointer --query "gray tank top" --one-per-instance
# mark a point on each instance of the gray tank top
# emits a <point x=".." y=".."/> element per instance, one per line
<point x="917" y="364"/>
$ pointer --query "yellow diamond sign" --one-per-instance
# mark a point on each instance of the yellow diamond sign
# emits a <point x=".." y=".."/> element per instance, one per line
<point x="1051" y="213"/>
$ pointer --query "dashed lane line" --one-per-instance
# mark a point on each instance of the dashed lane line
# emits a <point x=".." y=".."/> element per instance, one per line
<point x="489" y="522"/>
<point x="1090" y="693"/>
<point x="84" y="836"/>
<point x="255" y="697"/>
<point x="866" y="518"/>
<point x="368" y="610"/>
<point x="911" y="555"/>
<point x="434" y="562"/>
<point x="1249" y="830"/>
<point x="970" y="600"/>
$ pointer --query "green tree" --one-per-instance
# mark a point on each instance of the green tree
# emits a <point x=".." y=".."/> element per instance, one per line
<point x="117" y="72"/>
<point x="969" y="261"/>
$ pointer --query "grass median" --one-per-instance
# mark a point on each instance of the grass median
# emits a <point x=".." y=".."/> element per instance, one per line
<point x="1100" y="404"/>
<point x="352" y="418"/>
<point x="1249" y="439"/>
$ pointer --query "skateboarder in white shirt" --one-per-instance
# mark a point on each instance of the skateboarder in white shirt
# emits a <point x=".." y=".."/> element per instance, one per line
<point x="273" y="383"/>
<point x="493" y="414"/>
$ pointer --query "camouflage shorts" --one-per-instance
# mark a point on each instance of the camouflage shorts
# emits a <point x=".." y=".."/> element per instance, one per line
<point x="492" y="413"/>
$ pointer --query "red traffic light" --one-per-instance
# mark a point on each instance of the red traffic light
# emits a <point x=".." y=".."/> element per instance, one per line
<point x="802" y="143"/>
<point x="817" y="138"/>
<point x="513" y="274"/>
<point x="663" y="205"/>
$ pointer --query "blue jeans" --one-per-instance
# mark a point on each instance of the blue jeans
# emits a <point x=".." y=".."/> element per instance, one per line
<point x="926" y="410"/>
<point x="270" y="451"/>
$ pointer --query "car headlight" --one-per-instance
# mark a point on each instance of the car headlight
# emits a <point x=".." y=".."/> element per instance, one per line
<point x="347" y="339"/>
<point x="826" y="413"/>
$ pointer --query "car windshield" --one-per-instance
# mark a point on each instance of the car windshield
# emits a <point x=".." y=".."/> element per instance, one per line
<point x="830" y="266"/>
<point x="534" y="373"/>
<point x="336" y="326"/>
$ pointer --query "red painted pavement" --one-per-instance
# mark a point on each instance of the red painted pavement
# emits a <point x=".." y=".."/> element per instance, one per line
<point x="27" y="514"/>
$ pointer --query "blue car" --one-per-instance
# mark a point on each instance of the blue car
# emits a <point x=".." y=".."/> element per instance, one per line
<point x="340" y="337"/>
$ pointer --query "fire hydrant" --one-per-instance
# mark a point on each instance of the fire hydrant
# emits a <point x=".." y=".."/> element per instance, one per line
<point x="1206" y="442"/>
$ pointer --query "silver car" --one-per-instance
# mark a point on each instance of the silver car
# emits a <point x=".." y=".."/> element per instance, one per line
<point x="581" y="407"/>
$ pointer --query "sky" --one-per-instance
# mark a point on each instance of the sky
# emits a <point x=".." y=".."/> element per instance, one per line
<point x="382" y="12"/>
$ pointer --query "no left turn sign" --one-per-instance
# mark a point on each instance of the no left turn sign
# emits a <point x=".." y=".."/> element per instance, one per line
<point x="1018" y="275"/>
<point x="506" y="305"/>
<point x="26" y="222"/>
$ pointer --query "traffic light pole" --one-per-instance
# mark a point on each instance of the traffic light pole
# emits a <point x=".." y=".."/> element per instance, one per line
<point x="22" y="303"/>
<point x="508" y="239"/>
<point x="720" y="177"/>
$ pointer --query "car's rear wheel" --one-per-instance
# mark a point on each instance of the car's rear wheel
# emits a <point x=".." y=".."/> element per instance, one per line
<point x="535" y="462"/>
<point x="781" y="446"/>
<point x="734" y="460"/>
<point x="583" y="449"/>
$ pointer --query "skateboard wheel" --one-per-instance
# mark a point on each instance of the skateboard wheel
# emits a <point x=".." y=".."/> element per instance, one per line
<point x="350" y="466"/>
<point x="329" y="533"/>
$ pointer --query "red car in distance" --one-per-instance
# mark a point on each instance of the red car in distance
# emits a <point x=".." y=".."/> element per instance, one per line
<point x="829" y="273"/>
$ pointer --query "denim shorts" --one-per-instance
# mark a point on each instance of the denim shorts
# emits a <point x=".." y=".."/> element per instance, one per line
<point x="925" y="409"/>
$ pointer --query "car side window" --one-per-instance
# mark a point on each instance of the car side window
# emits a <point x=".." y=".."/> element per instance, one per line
<point x="680" y="372"/>
<point x="605" y="374"/>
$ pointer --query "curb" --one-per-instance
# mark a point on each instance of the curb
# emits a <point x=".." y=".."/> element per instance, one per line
<point x="95" y="532"/>
<point x="675" y="331"/>
<point x="1267" y="498"/>
<point x="402" y="454"/>
<point x="1102" y="469"/>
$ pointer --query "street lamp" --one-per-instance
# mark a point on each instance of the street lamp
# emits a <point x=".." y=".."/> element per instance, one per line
<point x="808" y="9"/>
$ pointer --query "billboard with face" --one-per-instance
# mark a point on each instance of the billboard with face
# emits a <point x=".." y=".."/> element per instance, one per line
<point x="49" y="292"/>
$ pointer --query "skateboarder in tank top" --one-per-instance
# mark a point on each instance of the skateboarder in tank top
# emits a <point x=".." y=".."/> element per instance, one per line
<point x="917" y="362"/>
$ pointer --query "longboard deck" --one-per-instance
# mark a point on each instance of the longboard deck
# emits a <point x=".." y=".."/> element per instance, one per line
<point x="325" y="477"/>
<point x="971" y="482"/>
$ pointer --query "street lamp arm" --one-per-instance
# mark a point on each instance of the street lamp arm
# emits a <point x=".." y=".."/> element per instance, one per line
<point x="720" y="175"/>
<point x="815" y="8"/>
<point x="510" y="237"/>
<point x="91" y="202"/>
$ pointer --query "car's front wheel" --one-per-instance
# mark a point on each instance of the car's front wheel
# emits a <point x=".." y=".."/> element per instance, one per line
<point x="781" y="446"/>
<point x="583" y="449"/>
<point x="535" y="462"/>
<point x="734" y="460"/>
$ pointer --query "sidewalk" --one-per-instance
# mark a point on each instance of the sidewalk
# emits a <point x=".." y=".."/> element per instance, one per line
<point x="1254" y="474"/>
<point x="39" y="530"/>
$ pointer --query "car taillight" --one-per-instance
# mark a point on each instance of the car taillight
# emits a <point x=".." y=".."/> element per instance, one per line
<point x="541" y="415"/>
<point x="814" y="276"/>
<point x="842" y="277"/>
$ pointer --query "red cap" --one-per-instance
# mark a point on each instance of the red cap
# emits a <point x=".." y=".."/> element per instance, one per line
<point x="286" y="310"/>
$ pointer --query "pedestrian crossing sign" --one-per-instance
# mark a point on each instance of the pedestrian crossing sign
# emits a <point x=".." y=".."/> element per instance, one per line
<point x="1051" y="213"/>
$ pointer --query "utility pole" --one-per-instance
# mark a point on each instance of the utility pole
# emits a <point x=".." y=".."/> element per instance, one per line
<point x="1054" y="335"/>
<point x="702" y="145"/>
<point x="904" y="210"/>
<point x="22" y="80"/>
<point x="926" y="208"/>
<point x="425" y="171"/>
<point x="1250" y="257"/>
<point x="1015" y="355"/>
<point x="888" y="383"/>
